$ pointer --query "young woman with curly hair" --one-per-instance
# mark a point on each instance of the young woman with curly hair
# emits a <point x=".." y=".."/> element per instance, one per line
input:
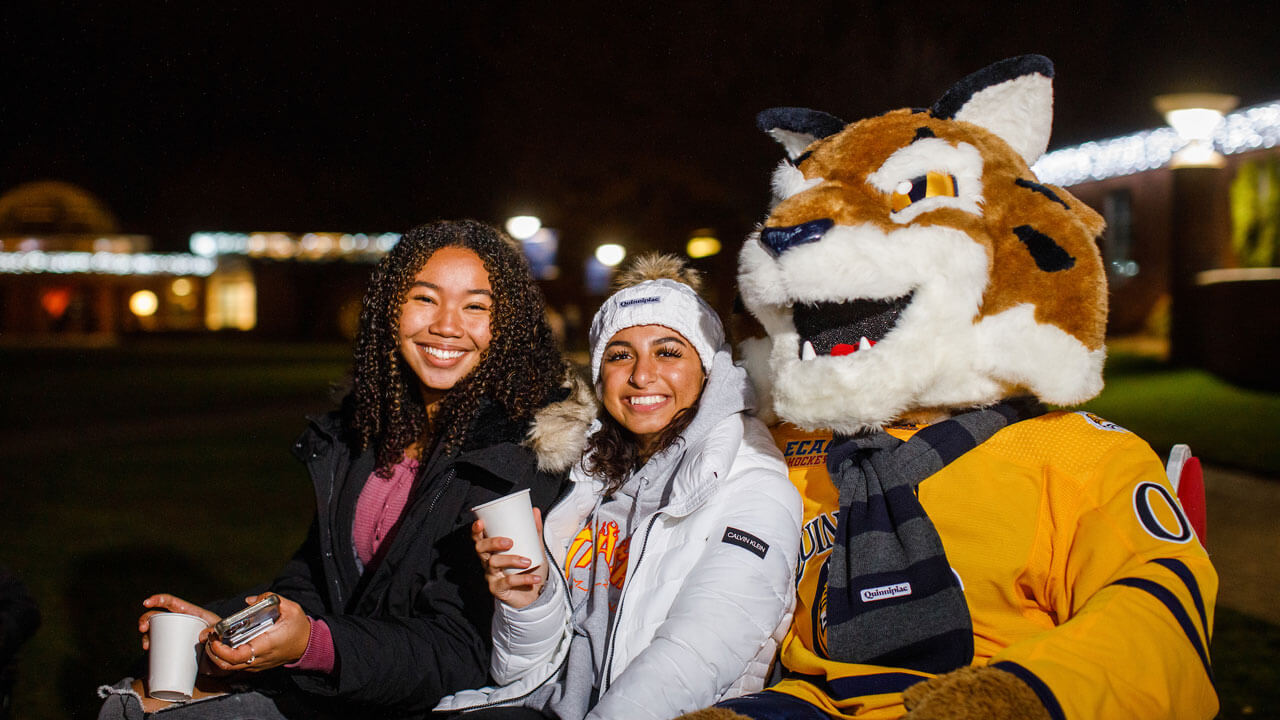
<point x="458" y="398"/>
<point x="674" y="550"/>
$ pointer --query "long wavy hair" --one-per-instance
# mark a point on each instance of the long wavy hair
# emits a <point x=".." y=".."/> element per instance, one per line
<point x="613" y="452"/>
<point x="519" y="371"/>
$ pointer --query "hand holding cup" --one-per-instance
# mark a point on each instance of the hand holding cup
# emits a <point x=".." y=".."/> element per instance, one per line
<point x="508" y="538"/>
<point x="173" y="658"/>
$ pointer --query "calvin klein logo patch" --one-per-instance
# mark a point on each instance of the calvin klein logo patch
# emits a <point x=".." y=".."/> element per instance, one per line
<point x="884" y="592"/>
<point x="742" y="539"/>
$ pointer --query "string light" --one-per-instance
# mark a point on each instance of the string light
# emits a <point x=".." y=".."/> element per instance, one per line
<point x="302" y="246"/>
<point x="1253" y="128"/>
<point x="105" y="263"/>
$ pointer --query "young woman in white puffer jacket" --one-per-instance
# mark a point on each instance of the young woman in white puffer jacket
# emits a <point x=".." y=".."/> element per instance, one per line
<point x="671" y="558"/>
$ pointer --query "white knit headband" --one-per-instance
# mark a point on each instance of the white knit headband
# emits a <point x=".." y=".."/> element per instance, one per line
<point x="657" y="302"/>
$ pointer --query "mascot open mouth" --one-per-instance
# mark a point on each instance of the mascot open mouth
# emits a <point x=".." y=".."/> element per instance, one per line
<point x="836" y="329"/>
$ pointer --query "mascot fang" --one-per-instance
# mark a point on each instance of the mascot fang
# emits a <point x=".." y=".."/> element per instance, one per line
<point x="966" y="554"/>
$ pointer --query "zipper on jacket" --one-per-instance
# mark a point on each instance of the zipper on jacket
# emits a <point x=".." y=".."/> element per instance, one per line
<point x="331" y="505"/>
<point x="617" y="616"/>
<point x="563" y="661"/>
<point x="448" y="479"/>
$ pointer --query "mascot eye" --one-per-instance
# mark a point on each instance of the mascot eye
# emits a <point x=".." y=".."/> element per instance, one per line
<point x="933" y="184"/>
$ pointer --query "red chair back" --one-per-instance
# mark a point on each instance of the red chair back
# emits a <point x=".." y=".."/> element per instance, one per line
<point x="1187" y="478"/>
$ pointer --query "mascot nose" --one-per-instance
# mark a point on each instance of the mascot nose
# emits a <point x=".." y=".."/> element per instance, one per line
<point x="778" y="240"/>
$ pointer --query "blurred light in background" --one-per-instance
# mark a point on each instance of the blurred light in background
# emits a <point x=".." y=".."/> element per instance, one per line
<point x="1196" y="117"/>
<point x="610" y="254"/>
<point x="182" y="296"/>
<point x="702" y="244"/>
<point x="540" y="249"/>
<point x="105" y="263"/>
<point x="359" y="247"/>
<point x="522" y="227"/>
<point x="1252" y="128"/>
<point x="55" y="301"/>
<point x="596" y="277"/>
<point x="232" y="299"/>
<point x="143" y="303"/>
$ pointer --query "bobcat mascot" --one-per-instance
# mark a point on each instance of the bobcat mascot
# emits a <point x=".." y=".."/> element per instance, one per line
<point x="966" y="554"/>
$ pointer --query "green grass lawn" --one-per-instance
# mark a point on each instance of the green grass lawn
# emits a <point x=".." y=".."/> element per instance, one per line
<point x="128" y="471"/>
<point x="166" y="466"/>
<point x="1223" y="424"/>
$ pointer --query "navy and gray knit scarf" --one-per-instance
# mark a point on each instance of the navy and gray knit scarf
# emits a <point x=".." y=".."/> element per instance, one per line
<point x="892" y="598"/>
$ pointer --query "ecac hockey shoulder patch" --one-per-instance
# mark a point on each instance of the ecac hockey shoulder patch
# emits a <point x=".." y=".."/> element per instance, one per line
<point x="1099" y="423"/>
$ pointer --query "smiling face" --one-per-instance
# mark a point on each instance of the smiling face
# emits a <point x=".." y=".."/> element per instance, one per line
<point x="649" y="373"/>
<point x="444" y="321"/>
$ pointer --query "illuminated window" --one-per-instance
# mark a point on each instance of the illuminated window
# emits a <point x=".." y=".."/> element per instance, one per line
<point x="232" y="301"/>
<point x="1117" y="239"/>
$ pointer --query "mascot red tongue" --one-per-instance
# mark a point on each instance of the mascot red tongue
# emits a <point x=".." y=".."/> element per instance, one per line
<point x="966" y="554"/>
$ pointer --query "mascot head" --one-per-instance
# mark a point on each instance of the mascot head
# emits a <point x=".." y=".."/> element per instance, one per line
<point x="913" y="264"/>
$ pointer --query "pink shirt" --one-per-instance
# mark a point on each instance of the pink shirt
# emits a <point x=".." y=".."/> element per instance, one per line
<point x="379" y="507"/>
<point x="377" y="513"/>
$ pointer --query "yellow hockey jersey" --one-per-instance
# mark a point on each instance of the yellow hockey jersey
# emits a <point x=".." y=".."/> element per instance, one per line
<point x="1081" y="573"/>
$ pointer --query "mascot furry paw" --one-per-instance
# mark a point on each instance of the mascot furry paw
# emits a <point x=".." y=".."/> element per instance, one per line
<point x="966" y="554"/>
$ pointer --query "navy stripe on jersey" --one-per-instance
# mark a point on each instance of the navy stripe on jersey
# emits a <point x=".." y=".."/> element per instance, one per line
<point x="1164" y="595"/>
<point x="858" y="685"/>
<point x="1184" y="573"/>
<point x="1043" y="691"/>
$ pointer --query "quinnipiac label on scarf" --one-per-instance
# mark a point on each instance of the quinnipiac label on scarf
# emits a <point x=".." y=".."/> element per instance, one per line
<point x="885" y="592"/>
<point x="743" y="539"/>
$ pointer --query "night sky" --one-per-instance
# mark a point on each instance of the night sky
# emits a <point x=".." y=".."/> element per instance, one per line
<point x="633" y="125"/>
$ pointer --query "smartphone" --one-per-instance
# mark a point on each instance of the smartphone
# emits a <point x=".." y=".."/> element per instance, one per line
<point x="238" y="629"/>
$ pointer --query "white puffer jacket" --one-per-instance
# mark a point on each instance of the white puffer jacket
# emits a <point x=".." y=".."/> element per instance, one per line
<point x="701" y="612"/>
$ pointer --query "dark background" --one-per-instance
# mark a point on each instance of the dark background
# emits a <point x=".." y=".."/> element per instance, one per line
<point x="164" y="465"/>
<point x="632" y="124"/>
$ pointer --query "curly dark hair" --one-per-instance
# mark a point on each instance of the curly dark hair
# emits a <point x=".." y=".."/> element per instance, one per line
<point x="519" y="371"/>
<point x="613" y="453"/>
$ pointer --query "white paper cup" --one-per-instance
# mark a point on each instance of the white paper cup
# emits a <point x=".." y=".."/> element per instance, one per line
<point x="511" y="516"/>
<point x="174" y="656"/>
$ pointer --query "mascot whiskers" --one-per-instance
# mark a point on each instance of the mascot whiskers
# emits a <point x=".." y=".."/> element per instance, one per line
<point x="966" y="553"/>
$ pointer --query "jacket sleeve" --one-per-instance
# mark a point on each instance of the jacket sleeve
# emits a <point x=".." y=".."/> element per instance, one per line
<point x="528" y="639"/>
<point x="1135" y="592"/>
<point x="409" y="658"/>
<point x="407" y="662"/>
<point x="727" y="608"/>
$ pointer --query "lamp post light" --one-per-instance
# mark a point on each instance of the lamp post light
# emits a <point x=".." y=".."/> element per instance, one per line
<point x="523" y="227"/>
<point x="143" y="303"/>
<point x="610" y="254"/>
<point x="1196" y="117"/>
<point x="702" y="243"/>
<point x="1197" y="239"/>
<point x="599" y="268"/>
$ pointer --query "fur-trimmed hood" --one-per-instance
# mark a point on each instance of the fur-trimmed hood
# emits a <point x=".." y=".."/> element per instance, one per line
<point x="558" y="433"/>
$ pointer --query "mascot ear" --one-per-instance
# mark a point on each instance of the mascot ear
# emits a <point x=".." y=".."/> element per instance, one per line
<point x="1012" y="98"/>
<point x="796" y="128"/>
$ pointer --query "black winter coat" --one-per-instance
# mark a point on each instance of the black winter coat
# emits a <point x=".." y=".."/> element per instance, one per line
<point x="415" y="626"/>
